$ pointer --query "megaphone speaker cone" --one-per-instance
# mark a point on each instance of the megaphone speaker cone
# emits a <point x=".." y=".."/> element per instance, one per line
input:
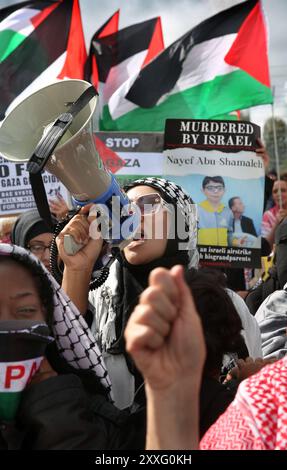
<point x="75" y="160"/>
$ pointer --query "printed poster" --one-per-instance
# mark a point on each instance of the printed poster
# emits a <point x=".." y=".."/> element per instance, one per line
<point x="15" y="190"/>
<point x="131" y="155"/>
<point x="216" y="163"/>
<point x="128" y="155"/>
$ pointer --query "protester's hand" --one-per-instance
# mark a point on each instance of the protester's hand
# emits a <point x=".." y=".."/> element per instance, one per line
<point x="262" y="152"/>
<point x="44" y="373"/>
<point x="247" y="367"/>
<point x="59" y="207"/>
<point x="164" y="334"/>
<point x="78" y="228"/>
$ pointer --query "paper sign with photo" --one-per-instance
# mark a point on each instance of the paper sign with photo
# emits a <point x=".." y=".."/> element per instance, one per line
<point x="216" y="163"/>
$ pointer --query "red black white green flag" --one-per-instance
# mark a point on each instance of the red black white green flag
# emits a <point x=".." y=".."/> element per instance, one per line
<point x="40" y="41"/>
<point x="111" y="26"/>
<point x="123" y="54"/>
<point x="219" y="66"/>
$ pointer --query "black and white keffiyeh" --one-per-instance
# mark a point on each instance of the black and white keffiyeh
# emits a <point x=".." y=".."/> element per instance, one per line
<point x="73" y="337"/>
<point x="174" y="194"/>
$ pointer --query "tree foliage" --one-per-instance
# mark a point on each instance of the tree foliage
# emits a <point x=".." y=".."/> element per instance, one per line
<point x="281" y="133"/>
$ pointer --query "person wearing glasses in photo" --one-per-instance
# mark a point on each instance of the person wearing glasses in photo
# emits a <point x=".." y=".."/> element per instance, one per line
<point x="215" y="220"/>
<point x="114" y="300"/>
<point x="31" y="232"/>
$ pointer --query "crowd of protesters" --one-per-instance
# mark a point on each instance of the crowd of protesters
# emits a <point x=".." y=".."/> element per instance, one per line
<point x="162" y="344"/>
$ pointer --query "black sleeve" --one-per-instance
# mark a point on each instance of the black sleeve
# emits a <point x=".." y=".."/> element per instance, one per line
<point x="252" y="228"/>
<point x="254" y="299"/>
<point x="268" y="190"/>
<point x="265" y="247"/>
<point x="55" y="415"/>
<point x="214" y="400"/>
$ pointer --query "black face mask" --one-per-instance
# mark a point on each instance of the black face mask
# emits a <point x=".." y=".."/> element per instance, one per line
<point x="22" y="347"/>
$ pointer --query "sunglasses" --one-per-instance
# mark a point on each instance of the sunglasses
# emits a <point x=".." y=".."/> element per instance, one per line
<point x="149" y="203"/>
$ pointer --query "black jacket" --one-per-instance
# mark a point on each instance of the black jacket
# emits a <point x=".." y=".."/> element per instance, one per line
<point x="214" y="399"/>
<point x="247" y="225"/>
<point x="57" y="414"/>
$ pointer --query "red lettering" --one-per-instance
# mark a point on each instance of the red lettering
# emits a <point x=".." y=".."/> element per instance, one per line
<point x="13" y="373"/>
<point x="33" y="371"/>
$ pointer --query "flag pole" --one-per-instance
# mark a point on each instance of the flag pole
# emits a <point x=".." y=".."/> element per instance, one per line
<point x="276" y="148"/>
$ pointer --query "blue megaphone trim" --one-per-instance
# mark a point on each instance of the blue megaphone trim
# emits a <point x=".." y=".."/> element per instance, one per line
<point x="106" y="199"/>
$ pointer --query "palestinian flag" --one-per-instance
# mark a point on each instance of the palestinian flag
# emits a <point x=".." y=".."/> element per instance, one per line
<point x="123" y="54"/>
<point x="219" y="66"/>
<point x="39" y="42"/>
<point x="111" y="26"/>
<point x="22" y="347"/>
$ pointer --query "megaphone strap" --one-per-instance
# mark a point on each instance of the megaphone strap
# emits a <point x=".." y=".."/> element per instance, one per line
<point x="82" y="101"/>
<point x="49" y="141"/>
<point x="40" y="197"/>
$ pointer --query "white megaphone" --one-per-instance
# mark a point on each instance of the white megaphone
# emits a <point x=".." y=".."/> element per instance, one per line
<point x="52" y="129"/>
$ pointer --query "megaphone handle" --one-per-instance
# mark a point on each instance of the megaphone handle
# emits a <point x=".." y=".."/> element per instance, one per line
<point x="70" y="246"/>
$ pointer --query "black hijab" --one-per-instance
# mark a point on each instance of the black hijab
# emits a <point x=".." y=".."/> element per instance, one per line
<point x="29" y="225"/>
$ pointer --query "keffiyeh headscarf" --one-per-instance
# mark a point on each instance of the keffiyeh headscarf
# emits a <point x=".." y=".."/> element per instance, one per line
<point x="175" y="195"/>
<point x="122" y="289"/>
<point x="257" y="418"/>
<point x="73" y="337"/>
<point x="116" y="299"/>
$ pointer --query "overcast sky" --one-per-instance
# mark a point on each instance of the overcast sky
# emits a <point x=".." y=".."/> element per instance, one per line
<point x="178" y="16"/>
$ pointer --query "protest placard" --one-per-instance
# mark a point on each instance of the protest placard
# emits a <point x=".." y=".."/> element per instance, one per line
<point x="216" y="163"/>
<point x="15" y="190"/>
<point x="131" y="155"/>
<point x="128" y="155"/>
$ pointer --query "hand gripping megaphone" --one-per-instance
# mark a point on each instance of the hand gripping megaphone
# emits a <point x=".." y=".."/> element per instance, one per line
<point x="52" y="129"/>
